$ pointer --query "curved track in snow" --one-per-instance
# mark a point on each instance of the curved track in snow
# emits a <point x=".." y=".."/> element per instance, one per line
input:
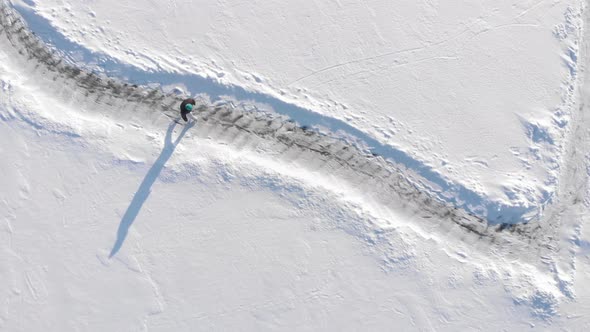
<point x="392" y="186"/>
<point x="438" y="185"/>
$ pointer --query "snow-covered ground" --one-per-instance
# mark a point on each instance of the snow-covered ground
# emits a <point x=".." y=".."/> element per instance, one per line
<point x="479" y="92"/>
<point x="117" y="218"/>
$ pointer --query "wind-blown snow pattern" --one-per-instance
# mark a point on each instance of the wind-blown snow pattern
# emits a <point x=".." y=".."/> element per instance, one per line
<point x="408" y="221"/>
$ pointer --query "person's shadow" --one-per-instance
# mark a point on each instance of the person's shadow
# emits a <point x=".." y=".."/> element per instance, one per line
<point x="144" y="190"/>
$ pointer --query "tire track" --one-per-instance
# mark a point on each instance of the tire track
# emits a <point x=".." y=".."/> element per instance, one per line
<point x="382" y="181"/>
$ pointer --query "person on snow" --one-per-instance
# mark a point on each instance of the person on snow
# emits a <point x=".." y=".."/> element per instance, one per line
<point x="186" y="108"/>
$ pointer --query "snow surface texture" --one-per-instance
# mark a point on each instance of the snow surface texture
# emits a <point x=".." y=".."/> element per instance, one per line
<point x="138" y="224"/>
<point x="475" y="96"/>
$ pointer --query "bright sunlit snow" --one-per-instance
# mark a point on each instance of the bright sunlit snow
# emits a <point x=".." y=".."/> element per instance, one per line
<point x="355" y="165"/>
<point x="482" y="92"/>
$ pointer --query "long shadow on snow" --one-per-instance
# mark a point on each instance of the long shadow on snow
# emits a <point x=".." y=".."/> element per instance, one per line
<point x="145" y="188"/>
<point x="454" y="193"/>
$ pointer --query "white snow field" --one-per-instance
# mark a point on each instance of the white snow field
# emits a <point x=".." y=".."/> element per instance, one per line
<point x="443" y="185"/>
<point x="479" y="92"/>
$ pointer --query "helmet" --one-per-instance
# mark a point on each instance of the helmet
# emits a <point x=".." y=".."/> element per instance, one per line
<point x="188" y="107"/>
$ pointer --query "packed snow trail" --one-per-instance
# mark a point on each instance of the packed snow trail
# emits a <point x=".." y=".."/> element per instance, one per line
<point x="439" y="187"/>
<point x="362" y="177"/>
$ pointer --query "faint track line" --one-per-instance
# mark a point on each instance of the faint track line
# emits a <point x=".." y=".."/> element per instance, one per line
<point x="524" y="12"/>
<point x="408" y="50"/>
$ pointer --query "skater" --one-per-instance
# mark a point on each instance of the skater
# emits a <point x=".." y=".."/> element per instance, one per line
<point x="186" y="109"/>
